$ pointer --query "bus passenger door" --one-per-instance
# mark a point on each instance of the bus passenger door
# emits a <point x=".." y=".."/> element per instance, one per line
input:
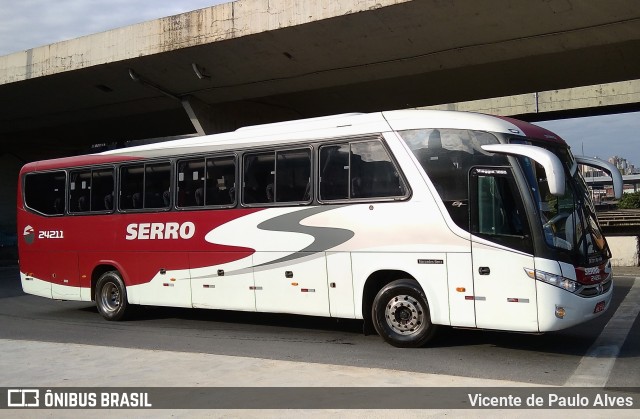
<point x="291" y="283"/>
<point x="501" y="247"/>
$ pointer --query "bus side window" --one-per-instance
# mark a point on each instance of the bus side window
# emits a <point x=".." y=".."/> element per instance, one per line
<point x="293" y="175"/>
<point x="220" y="181"/>
<point x="102" y="190"/>
<point x="157" y="179"/>
<point x="259" y="171"/>
<point x="131" y="183"/>
<point x="439" y="165"/>
<point x="360" y="169"/>
<point x="45" y="192"/>
<point x="206" y="182"/>
<point x="79" y="191"/>
<point x="191" y="181"/>
<point x="373" y="174"/>
<point x="334" y="172"/>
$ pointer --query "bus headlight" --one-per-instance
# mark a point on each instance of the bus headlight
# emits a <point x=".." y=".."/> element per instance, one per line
<point x="553" y="279"/>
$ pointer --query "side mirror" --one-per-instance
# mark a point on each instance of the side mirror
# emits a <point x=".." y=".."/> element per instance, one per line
<point x="613" y="171"/>
<point x="551" y="163"/>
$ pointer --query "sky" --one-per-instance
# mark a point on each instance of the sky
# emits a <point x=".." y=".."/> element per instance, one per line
<point x="27" y="24"/>
<point x="601" y="136"/>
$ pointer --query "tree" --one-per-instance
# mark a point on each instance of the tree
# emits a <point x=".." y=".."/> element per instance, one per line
<point x="629" y="201"/>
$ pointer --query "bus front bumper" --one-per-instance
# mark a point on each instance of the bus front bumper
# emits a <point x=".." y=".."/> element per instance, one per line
<point x="559" y="309"/>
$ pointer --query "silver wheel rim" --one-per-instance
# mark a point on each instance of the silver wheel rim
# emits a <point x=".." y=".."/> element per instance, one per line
<point x="405" y="315"/>
<point x="110" y="297"/>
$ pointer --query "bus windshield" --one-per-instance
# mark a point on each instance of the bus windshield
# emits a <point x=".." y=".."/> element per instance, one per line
<point x="569" y="221"/>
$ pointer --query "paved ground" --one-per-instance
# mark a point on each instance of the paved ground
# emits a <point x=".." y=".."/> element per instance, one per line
<point x="81" y="365"/>
<point x="50" y="364"/>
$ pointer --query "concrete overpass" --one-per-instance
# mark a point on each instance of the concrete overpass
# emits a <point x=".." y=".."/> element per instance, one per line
<point x="631" y="182"/>
<point x="265" y="60"/>
<point x="255" y="61"/>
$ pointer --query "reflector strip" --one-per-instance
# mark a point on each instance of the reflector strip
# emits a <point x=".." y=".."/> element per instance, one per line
<point x="167" y="285"/>
<point x="307" y="290"/>
<point x="471" y="297"/>
<point x="517" y="300"/>
<point x="208" y="286"/>
<point x="255" y="288"/>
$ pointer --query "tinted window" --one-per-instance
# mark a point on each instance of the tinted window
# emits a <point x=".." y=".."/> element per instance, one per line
<point x="277" y="177"/>
<point x="145" y="186"/>
<point x="259" y="171"/>
<point x="157" y="178"/>
<point x="79" y="191"/>
<point x="91" y="190"/>
<point x="102" y="183"/>
<point x="293" y="176"/>
<point x="209" y="181"/>
<point x="334" y="172"/>
<point x="447" y="155"/>
<point x="45" y="192"/>
<point x="361" y="169"/>
<point x="221" y="181"/>
<point x="373" y="175"/>
<point x="131" y="187"/>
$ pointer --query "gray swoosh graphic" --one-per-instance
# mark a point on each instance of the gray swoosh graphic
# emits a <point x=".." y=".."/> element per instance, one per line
<point x="324" y="238"/>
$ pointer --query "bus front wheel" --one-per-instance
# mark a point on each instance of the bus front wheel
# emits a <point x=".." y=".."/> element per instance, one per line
<point x="401" y="315"/>
<point x="111" y="296"/>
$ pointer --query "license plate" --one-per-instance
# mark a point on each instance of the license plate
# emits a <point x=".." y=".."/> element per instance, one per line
<point x="599" y="307"/>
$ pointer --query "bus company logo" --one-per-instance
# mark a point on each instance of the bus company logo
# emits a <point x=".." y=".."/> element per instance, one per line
<point x="23" y="397"/>
<point x="592" y="271"/>
<point x="29" y="234"/>
<point x="160" y="231"/>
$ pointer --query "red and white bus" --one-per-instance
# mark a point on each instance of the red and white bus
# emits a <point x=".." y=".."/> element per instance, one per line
<point x="406" y="219"/>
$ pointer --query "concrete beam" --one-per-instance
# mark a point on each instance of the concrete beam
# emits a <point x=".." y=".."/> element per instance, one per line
<point x="599" y="95"/>
<point x="271" y="60"/>
<point x="625" y="93"/>
<point x="200" y="27"/>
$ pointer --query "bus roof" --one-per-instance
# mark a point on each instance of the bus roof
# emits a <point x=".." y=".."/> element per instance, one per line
<point x="351" y="124"/>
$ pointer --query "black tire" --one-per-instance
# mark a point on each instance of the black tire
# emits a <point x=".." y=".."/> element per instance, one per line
<point x="400" y="314"/>
<point x="111" y="296"/>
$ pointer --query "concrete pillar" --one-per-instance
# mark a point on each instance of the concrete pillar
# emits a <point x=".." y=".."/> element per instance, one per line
<point x="200" y="115"/>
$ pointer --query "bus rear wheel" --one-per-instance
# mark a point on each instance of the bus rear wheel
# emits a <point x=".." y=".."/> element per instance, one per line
<point x="401" y="314"/>
<point x="111" y="296"/>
